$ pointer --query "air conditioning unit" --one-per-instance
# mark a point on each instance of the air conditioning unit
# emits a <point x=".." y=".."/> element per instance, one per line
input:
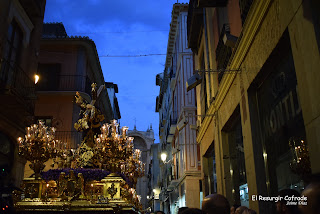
<point x="193" y="81"/>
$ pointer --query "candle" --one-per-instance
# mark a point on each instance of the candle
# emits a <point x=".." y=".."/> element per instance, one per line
<point x="47" y="190"/>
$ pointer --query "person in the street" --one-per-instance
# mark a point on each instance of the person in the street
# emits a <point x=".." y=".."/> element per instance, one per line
<point x="281" y="205"/>
<point x="192" y="211"/>
<point x="233" y="208"/>
<point x="215" y="204"/>
<point x="249" y="211"/>
<point x="181" y="209"/>
<point x="312" y="192"/>
<point x="241" y="209"/>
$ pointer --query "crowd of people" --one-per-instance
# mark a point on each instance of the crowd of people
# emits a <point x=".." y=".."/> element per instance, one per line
<point x="218" y="204"/>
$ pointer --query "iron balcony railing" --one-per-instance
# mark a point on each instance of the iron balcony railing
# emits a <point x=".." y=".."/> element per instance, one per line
<point x="223" y="52"/>
<point x="66" y="83"/>
<point x="174" y="118"/>
<point x="172" y="74"/>
<point x="14" y="80"/>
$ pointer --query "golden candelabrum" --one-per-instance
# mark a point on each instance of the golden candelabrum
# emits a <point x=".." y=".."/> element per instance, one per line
<point x="300" y="163"/>
<point x="38" y="146"/>
<point x="115" y="152"/>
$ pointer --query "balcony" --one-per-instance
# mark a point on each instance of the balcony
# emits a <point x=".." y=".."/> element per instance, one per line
<point x="172" y="185"/>
<point x="172" y="74"/>
<point x="223" y="52"/>
<point x="169" y="138"/>
<point x="16" y="89"/>
<point x="173" y="122"/>
<point x="194" y="25"/>
<point x="65" y="83"/>
<point x="213" y="3"/>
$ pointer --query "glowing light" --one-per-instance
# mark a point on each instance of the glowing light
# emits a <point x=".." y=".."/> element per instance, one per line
<point x="36" y="78"/>
<point x="163" y="157"/>
<point x="265" y="155"/>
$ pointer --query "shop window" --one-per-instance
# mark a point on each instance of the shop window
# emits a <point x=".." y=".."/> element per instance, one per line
<point x="234" y="156"/>
<point x="50" y="77"/>
<point x="237" y="164"/>
<point x="280" y="116"/>
<point x="209" y="165"/>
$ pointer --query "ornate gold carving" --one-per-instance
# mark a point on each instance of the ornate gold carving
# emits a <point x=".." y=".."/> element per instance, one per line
<point x="112" y="190"/>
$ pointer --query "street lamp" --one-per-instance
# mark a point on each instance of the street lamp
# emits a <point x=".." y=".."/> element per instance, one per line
<point x="163" y="157"/>
<point x="36" y="78"/>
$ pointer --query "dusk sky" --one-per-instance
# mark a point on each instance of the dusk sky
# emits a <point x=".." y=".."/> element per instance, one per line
<point x="123" y="28"/>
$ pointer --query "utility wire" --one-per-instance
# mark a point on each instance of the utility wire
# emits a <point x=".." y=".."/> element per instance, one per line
<point x="120" y="32"/>
<point x="141" y="55"/>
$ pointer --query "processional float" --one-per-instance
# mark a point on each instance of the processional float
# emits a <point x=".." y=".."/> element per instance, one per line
<point x="101" y="174"/>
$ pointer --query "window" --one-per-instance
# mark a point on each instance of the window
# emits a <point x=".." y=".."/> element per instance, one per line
<point x="49" y="77"/>
<point x="236" y="158"/>
<point x="12" y="50"/>
<point x="209" y="164"/>
<point x="280" y="115"/>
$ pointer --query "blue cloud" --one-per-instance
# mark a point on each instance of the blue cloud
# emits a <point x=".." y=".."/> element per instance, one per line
<point x="147" y="24"/>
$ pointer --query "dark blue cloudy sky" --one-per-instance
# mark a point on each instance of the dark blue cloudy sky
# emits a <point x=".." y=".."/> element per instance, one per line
<point x="122" y="28"/>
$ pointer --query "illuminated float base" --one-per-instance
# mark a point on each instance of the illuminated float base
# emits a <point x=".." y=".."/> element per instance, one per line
<point x="110" y="195"/>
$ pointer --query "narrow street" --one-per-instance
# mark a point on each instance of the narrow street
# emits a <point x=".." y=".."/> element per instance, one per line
<point x="160" y="107"/>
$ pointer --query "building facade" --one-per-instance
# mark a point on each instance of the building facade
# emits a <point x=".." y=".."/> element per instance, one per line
<point x="67" y="65"/>
<point x="20" y="34"/>
<point x="143" y="140"/>
<point x="154" y="178"/>
<point x="181" y="175"/>
<point x="257" y="62"/>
